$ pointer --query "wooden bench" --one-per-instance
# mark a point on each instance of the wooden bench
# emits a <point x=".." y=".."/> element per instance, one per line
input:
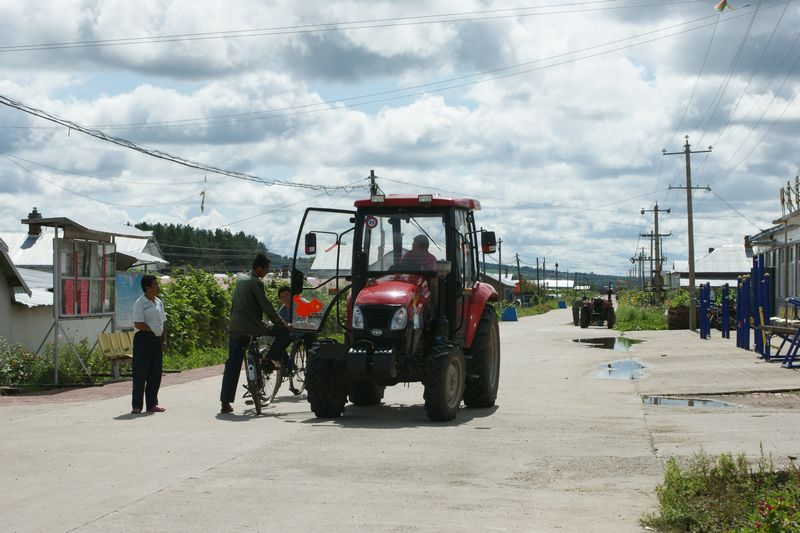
<point x="118" y="347"/>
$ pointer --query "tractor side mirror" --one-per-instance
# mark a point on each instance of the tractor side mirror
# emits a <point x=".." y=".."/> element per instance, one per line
<point x="297" y="281"/>
<point x="488" y="242"/>
<point x="311" y="243"/>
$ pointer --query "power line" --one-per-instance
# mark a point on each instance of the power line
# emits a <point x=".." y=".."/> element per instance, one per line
<point x="334" y="26"/>
<point x="370" y="98"/>
<point x="163" y="155"/>
<point x="717" y="99"/>
<point x="758" y="122"/>
<point x="114" y="180"/>
<point x="86" y="196"/>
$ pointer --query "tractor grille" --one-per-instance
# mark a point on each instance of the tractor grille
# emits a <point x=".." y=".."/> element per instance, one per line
<point x="378" y="316"/>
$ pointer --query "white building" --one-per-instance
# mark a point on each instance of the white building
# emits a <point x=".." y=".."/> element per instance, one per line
<point x="719" y="266"/>
<point x="26" y="311"/>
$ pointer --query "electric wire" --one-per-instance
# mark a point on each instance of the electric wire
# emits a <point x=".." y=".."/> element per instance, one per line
<point x="758" y="122"/>
<point x="107" y="180"/>
<point x="334" y="26"/>
<point x="164" y="155"/>
<point x="370" y="98"/>
<point x="86" y="196"/>
<point x="720" y="93"/>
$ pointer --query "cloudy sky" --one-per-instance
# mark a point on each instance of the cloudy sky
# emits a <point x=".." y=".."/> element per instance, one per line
<point x="553" y="114"/>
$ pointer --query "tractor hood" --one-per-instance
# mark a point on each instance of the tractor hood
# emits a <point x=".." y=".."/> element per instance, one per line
<point x="393" y="289"/>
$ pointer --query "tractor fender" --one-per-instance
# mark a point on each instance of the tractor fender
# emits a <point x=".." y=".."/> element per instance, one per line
<point x="482" y="293"/>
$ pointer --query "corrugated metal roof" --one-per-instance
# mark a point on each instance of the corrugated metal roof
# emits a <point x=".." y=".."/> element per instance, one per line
<point x="561" y="283"/>
<point x="728" y="258"/>
<point x="506" y="281"/>
<point x="11" y="273"/>
<point x="37" y="298"/>
<point x="37" y="250"/>
<point x="37" y="279"/>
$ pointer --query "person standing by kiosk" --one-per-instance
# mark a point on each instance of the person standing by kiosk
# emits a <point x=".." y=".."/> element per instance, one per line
<point x="149" y="345"/>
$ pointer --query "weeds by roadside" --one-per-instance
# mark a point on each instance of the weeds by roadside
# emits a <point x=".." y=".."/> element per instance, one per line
<point x="726" y="494"/>
<point x="631" y="318"/>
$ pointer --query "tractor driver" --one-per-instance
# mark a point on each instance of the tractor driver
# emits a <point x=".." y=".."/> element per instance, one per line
<point x="419" y="258"/>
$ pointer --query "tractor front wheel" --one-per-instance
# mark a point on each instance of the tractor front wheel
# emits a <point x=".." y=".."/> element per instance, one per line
<point x="484" y="363"/>
<point x="444" y="382"/>
<point x="586" y="315"/>
<point x="576" y="313"/>
<point x="326" y="384"/>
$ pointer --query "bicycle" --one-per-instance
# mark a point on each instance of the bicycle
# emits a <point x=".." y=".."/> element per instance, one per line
<point x="264" y="376"/>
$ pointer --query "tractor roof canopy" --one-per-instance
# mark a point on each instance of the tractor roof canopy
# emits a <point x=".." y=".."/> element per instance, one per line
<point x="422" y="200"/>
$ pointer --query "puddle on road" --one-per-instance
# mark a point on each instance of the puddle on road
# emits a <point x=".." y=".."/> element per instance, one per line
<point x="618" y="344"/>
<point x="620" y="369"/>
<point x="687" y="402"/>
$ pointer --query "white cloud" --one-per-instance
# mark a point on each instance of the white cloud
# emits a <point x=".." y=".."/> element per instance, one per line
<point x="562" y="158"/>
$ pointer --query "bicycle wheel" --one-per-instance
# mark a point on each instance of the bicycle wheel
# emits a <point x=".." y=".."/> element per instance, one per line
<point x="297" y="377"/>
<point x="254" y="381"/>
<point x="271" y="379"/>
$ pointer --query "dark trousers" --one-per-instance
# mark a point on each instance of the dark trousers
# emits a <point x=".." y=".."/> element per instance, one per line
<point x="146" y="369"/>
<point x="237" y="343"/>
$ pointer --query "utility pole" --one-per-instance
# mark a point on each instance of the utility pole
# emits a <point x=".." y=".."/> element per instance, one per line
<point x="544" y="273"/>
<point x="537" y="275"/>
<point x="688" y="153"/>
<point x="658" y="281"/>
<point x="519" y="276"/>
<point x="500" y="262"/>
<point x="373" y="186"/>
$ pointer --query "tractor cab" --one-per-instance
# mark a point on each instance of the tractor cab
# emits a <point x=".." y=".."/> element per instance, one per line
<point x="401" y="279"/>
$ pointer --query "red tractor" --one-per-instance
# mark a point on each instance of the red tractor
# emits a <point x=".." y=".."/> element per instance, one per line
<point x="594" y="311"/>
<point x="400" y="276"/>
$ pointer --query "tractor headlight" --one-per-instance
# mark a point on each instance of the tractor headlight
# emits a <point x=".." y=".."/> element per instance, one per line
<point x="358" y="318"/>
<point x="399" y="319"/>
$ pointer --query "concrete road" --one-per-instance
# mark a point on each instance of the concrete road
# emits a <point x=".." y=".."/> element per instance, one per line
<point x="562" y="450"/>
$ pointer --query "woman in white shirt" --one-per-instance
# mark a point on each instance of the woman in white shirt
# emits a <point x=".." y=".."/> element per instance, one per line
<point x="149" y="344"/>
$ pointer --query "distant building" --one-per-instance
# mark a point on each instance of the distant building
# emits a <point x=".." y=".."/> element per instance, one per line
<point x="505" y="286"/>
<point x="719" y="266"/>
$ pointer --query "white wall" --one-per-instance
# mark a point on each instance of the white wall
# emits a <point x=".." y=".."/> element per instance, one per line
<point x="5" y="309"/>
<point x="28" y="326"/>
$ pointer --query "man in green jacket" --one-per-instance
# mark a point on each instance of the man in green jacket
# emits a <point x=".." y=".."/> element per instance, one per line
<point x="249" y="305"/>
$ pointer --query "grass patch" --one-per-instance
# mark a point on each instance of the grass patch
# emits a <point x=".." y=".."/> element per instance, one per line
<point x="639" y="318"/>
<point x="726" y="494"/>
<point x="195" y="359"/>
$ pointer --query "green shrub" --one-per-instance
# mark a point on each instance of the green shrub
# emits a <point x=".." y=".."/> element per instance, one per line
<point x="69" y="368"/>
<point x="678" y="298"/>
<point x="725" y="494"/>
<point x="198" y="310"/>
<point x="18" y="366"/>
<point x="632" y="318"/>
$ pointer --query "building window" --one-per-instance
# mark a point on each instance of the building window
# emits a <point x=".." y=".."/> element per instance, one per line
<point x="87" y="272"/>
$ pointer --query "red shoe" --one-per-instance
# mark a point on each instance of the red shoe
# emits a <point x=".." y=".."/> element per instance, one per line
<point x="156" y="409"/>
<point x="136" y="411"/>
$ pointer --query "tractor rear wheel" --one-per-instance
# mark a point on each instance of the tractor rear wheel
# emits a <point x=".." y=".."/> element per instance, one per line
<point x="484" y="363"/>
<point x="611" y="317"/>
<point x="586" y="316"/>
<point x="326" y="384"/>
<point x="444" y="382"/>
<point x="366" y="392"/>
